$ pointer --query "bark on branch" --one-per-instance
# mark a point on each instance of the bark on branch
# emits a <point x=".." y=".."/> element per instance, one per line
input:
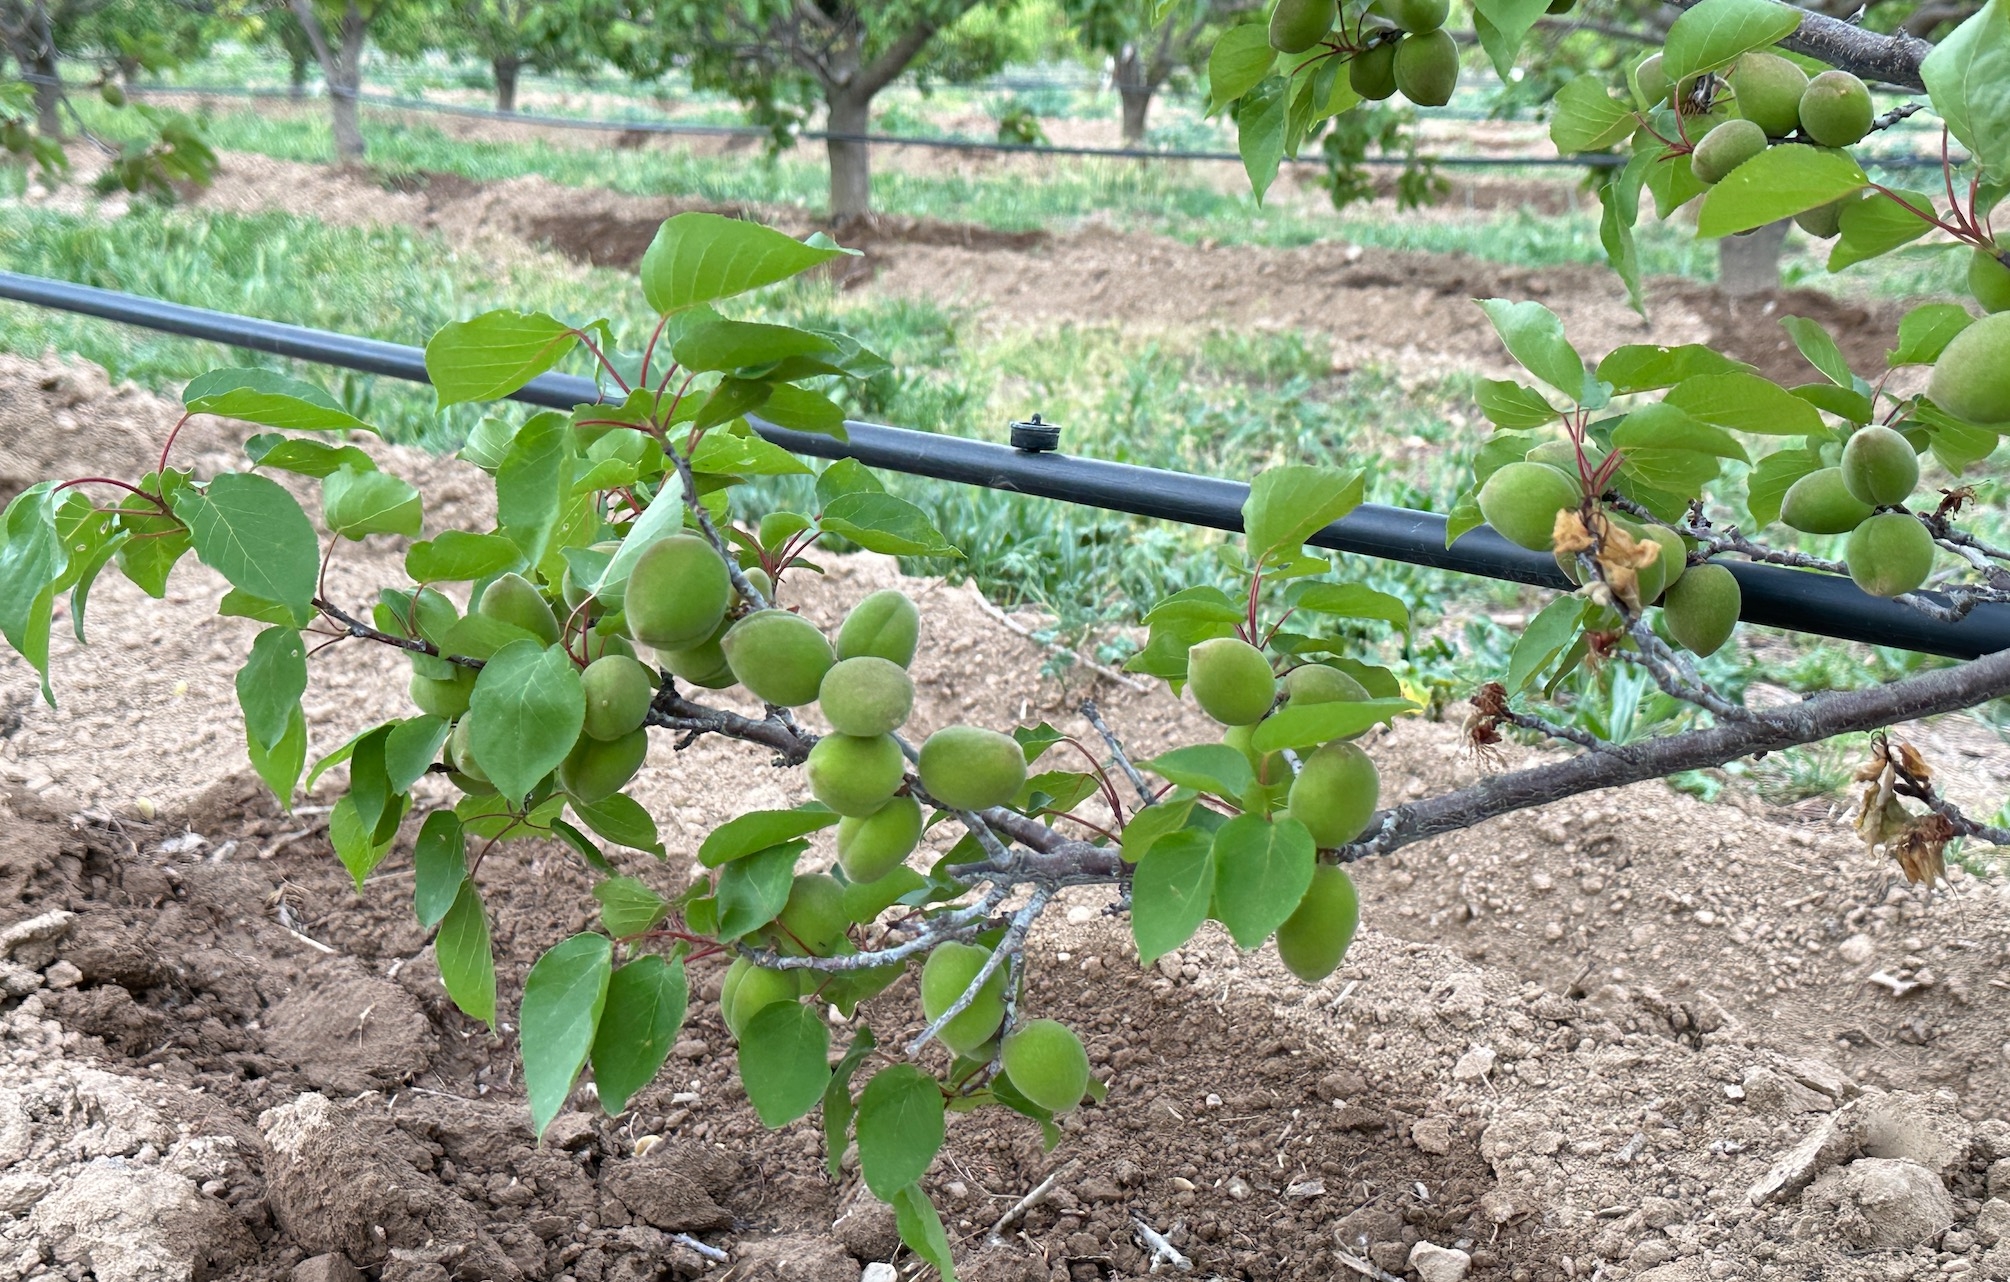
<point x="1869" y="55"/>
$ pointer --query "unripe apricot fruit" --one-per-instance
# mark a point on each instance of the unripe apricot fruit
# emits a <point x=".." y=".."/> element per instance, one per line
<point x="944" y="977"/>
<point x="1820" y="503"/>
<point x="459" y="746"/>
<point x="1297" y="25"/>
<point x="1971" y="380"/>
<point x="1427" y="68"/>
<point x="1231" y="680"/>
<point x="677" y="593"/>
<point x="445" y="699"/>
<point x="758" y="988"/>
<point x="885" y="625"/>
<point x="1890" y="554"/>
<point x="1823" y="221"/>
<point x="703" y="664"/>
<point x="781" y="657"/>
<point x="1725" y="148"/>
<point x="1318" y="683"/>
<point x="866" y="696"/>
<point x="1879" y="466"/>
<point x="597" y="769"/>
<point x="1046" y="1061"/>
<point x="814" y="915"/>
<point x="1835" y="109"/>
<point x="1674" y="558"/>
<point x="872" y="846"/>
<point x="1522" y="499"/>
<point x="969" y="768"/>
<point x="1314" y="938"/>
<point x="1651" y="84"/>
<point x="855" y="775"/>
<point x="1702" y="609"/>
<point x="1419" y="16"/>
<point x="1769" y="90"/>
<point x="618" y="693"/>
<point x="1989" y="281"/>
<point x="1372" y="72"/>
<point x="1335" y="793"/>
<point x="1271" y="768"/>
<point x="511" y="599"/>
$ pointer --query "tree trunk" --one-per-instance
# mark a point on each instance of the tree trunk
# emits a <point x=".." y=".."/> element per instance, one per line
<point x="39" y="61"/>
<point x="850" y="116"/>
<point x="344" y="85"/>
<point x="296" y="84"/>
<point x="505" y="72"/>
<point x="1135" y="88"/>
<point x="1750" y="263"/>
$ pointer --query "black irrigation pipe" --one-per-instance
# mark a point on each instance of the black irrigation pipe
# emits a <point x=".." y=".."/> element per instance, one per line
<point x="1796" y="600"/>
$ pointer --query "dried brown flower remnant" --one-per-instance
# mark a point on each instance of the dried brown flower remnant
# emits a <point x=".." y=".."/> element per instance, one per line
<point x="1917" y="842"/>
<point x="1620" y="556"/>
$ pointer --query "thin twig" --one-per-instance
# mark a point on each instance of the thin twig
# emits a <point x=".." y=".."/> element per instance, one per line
<point x="1095" y="718"/>
<point x="1163" y="1252"/>
<point x="1033" y="1199"/>
<point x="1012" y="625"/>
<point x="1014" y="939"/>
<point x="1555" y="730"/>
<point x="711" y="1253"/>
<point x="959" y="924"/>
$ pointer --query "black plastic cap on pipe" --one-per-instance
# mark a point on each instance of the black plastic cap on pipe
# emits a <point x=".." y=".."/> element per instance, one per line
<point x="1774" y="596"/>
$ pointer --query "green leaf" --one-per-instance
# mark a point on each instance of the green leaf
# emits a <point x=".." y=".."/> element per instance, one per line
<point x="784" y="1062"/>
<point x="1767" y="486"/>
<point x="1619" y="210"/>
<point x="1779" y="182"/>
<point x="456" y="556"/>
<point x="1666" y="426"/>
<point x="1349" y="601"/>
<point x="1259" y="131"/>
<point x="528" y="707"/>
<point x="1878" y="224"/>
<point x="1544" y="637"/>
<point x="1672" y="180"/>
<point x="865" y="900"/>
<point x="270" y="400"/>
<point x="728" y="401"/>
<point x="1262" y="870"/>
<point x="1513" y="405"/>
<point x="280" y="765"/>
<point x="562" y="1000"/>
<point x="270" y="684"/>
<point x="701" y="258"/>
<point x="1153" y="822"/>
<point x="1715" y="32"/>
<point x="732" y="345"/>
<point x="921" y="1229"/>
<point x="846" y="476"/>
<point x="1288" y="505"/>
<point x="801" y="410"/>
<point x="1584" y="117"/>
<point x="466" y="961"/>
<point x="251" y="531"/>
<point x="1171" y="891"/>
<point x="369" y="781"/>
<point x="1968" y="77"/>
<point x="900" y="1128"/>
<point x="760" y="830"/>
<point x="1534" y="337"/>
<point x="628" y="906"/>
<point x="1843" y="402"/>
<point x="1205" y="767"/>
<point x="1640" y="367"/>
<point x="838" y="1106"/>
<point x="883" y="523"/>
<point x="358" y="503"/>
<point x="358" y="845"/>
<point x="622" y="820"/>
<point x="581" y="844"/>
<point x="1308" y="725"/>
<point x="1239" y="61"/>
<point x="752" y="890"/>
<point x="728" y="454"/>
<point x="646" y="1001"/>
<point x="1035" y="740"/>
<point x="1506" y="24"/>
<point x="535" y="473"/>
<point x="1820" y="349"/>
<point x="304" y="457"/>
<point x="495" y="354"/>
<point x="1744" y="403"/>
<point x="1926" y="331"/>
<point x="439" y="865"/>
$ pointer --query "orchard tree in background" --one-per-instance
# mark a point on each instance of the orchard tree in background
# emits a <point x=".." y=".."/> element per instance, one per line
<point x="632" y="595"/>
<point x="513" y="36"/>
<point x="339" y="32"/>
<point x="1149" y="44"/>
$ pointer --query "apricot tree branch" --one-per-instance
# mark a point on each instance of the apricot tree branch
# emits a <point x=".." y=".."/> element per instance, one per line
<point x="1095" y="718"/>
<point x="1870" y="55"/>
<point x="1008" y="947"/>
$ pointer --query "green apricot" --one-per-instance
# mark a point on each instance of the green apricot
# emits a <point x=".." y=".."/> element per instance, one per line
<point x="677" y="593"/>
<point x="1420" y="16"/>
<point x="1427" y="68"/>
<point x="758" y="989"/>
<point x="1318" y="683"/>
<point x="1522" y="499"/>
<point x="599" y="644"/>
<point x="1273" y="772"/>
<point x="814" y="915"/>
<point x="461" y="749"/>
<point x="1372" y="72"/>
<point x="781" y="657"/>
<point x="596" y="769"/>
<point x="1820" y="503"/>
<point x="1651" y="84"/>
<point x="703" y="664"/>
<point x="885" y="625"/>
<point x="1971" y="380"/>
<point x="513" y="600"/>
<point x="446" y="699"/>
<point x="944" y="978"/>
<point x="1314" y="938"/>
<point x="866" y="696"/>
<point x="1989" y="281"/>
<point x="1835" y="109"/>
<point x="1046" y="1061"/>
<point x="575" y="594"/>
<point x="1823" y="221"/>
<point x="1674" y="558"/>
<point x="1725" y="148"/>
<point x="618" y="693"/>
<point x="1769" y="90"/>
<point x="1879" y="466"/>
<point x="1231" y="680"/>
<point x="1890" y="554"/>
<point x="1702" y="609"/>
<point x="730" y="985"/>
<point x="1335" y="793"/>
<point x="1297" y="25"/>
<point x="873" y="846"/>
<point x="969" y="768"/>
<point x="855" y="775"/>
